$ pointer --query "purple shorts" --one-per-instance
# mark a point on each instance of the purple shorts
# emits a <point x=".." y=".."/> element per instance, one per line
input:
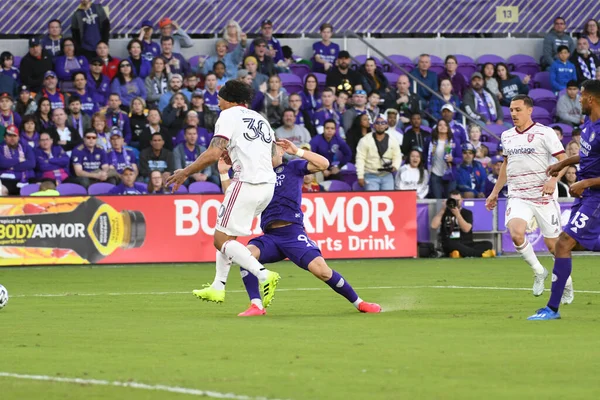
<point x="584" y="223"/>
<point x="288" y="242"/>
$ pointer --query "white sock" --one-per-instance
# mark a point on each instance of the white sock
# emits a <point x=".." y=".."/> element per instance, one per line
<point x="257" y="302"/>
<point x="357" y="302"/>
<point x="223" y="266"/>
<point x="526" y="251"/>
<point x="239" y="254"/>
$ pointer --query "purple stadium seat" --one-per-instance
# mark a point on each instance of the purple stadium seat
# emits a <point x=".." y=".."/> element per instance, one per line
<point x="100" y="188"/>
<point x="541" y="115"/>
<point x="321" y="79"/>
<point x="392" y="78"/>
<point x="194" y="60"/>
<point x="357" y="188"/>
<point x="71" y="189"/>
<point x="506" y="112"/>
<point x="28" y="189"/>
<point x="524" y="64"/>
<point x="182" y="190"/>
<point x="567" y="131"/>
<point x="348" y="173"/>
<point x="492" y="146"/>
<point x="336" y="186"/>
<point x="543" y="98"/>
<point x="437" y="64"/>
<point x="489" y="58"/>
<point x="299" y="70"/>
<point x="362" y="58"/>
<point x="466" y="65"/>
<point x="542" y="80"/>
<point x="496" y="133"/>
<point x="402" y="61"/>
<point x="204" y="187"/>
<point x="17" y="61"/>
<point x="291" y="82"/>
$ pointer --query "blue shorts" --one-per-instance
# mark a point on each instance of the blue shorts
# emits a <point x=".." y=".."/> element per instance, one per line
<point x="584" y="223"/>
<point x="287" y="242"/>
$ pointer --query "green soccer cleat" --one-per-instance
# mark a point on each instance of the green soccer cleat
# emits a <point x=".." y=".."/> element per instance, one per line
<point x="268" y="288"/>
<point x="210" y="294"/>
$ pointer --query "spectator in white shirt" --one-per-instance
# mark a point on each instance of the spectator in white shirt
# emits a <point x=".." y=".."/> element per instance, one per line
<point x="413" y="176"/>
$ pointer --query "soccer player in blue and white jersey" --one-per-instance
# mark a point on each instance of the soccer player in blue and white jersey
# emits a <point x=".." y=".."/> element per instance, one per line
<point x="582" y="232"/>
<point x="283" y="225"/>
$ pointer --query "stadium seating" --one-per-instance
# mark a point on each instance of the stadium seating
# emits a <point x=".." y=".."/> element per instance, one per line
<point x="506" y="112"/>
<point x="566" y="129"/>
<point x="489" y="58"/>
<point x="543" y="98"/>
<point x="542" y="80"/>
<point x="496" y="131"/>
<point x="522" y="76"/>
<point x="336" y="186"/>
<point x="291" y="82"/>
<point x="321" y="79"/>
<point x="71" y="189"/>
<point x="361" y="59"/>
<point x="100" y="188"/>
<point x="541" y="116"/>
<point x="194" y="60"/>
<point x="402" y="61"/>
<point x="28" y="189"/>
<point x="492" y="146"/>
<point x="300" y="70"/>
<point x="524" y="64"/>
<point x="203" y="187"/>
<point x="392" y="78"/>
<point x="466" y="65"/>
<point x="182" y="190"/>
<point x="357" y="188"/>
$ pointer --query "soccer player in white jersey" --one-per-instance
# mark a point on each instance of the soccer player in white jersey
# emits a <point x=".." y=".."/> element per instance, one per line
<point x="529" y="149"/>
<point x="249" y="142"/>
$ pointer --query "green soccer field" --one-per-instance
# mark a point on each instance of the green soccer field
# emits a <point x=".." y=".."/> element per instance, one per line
<point x="452" y="329"/>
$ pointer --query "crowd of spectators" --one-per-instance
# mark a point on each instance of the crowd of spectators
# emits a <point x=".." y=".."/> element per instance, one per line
<point x="72" y="112"/>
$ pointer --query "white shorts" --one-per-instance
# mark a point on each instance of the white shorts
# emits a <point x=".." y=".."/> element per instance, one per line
<point x="243" y="202"/>
<point x="547" y="216"/>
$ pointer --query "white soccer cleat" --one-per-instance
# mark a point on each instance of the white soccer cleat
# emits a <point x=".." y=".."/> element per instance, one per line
<point x="568" y="294"/>
<point x="538" y="282"/>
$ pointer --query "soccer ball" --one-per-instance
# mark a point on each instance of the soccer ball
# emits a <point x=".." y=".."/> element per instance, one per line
<point x="3" y="297"/>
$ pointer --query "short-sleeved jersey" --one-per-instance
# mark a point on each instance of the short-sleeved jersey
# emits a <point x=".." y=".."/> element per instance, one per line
<point x="90" y="161"/>
<point x="250" y="144"/>
<point x="529" y="153"/>
<point x="287" y="199"/>
<point x="589" y="164"/>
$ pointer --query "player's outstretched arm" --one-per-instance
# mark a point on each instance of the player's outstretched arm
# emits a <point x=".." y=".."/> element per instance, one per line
<point x="316" y="162"/>
<point x="217" y="146"/>
<point x="555" y="169"/>
<point x="577" y="188"/>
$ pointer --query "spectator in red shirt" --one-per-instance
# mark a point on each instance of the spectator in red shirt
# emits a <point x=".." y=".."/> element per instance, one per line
<point x="110" y="65"/>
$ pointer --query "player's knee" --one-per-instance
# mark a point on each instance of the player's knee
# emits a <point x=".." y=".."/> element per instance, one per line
<point x="518" y="238"/>
<point x="563" y="247"/>
<point x="319" y="268"/>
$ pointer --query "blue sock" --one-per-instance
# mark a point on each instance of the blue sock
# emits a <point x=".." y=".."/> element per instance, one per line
<point x="341" y="286"/>
<point x="251" y="284"/>
<point x="562" y="271"/>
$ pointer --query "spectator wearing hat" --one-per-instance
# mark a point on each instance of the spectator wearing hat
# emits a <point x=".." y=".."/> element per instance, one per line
<point x="394" y="129"/>
<point x="115" y="116"/>
<point x="325" y="52"/>
<point x="140" y="66"/>
<point x="471" y="177"/>
<point x="458" y="130"/>
<point x="7" y="115"/>
<point x="110" y="64"/>
<point x="554" y="39"/>
<point x="402" y="100"/>
<point x="425" y="76"/>
<point x="52" y="162"/>
<point x="127" y="85"/>
<point x="457" y="80"/>
<point x="586" y="63"/>
<point x="274" y="53"/>
<point x="34" y="66"/>
<point x="568" y="108"/>
<point x="341" y="78"/>
<point x="291" y="131"/>
<point x="90" y="25"/>
<point x="89" y="162"/>
<point x="377" y="158"/>
<point x="175" y="85"/>
<point x="177" y="63"/>
<point x="231" y="60"/>
<point x="127" y="185"/>
<point x="331" y="146"/>
<point x="156" y="157"/>
<point x="89" y="106"/>
<point x="327" y="112"/>
<point x="435" y="105"/>
<point x="413" y="175"/>
<point x="52" y="42"/>
<point x="562" y="70"/>
<point x="118" y="157"/>
<point x="51" y="91"/>
<point x="480" y="104"/>
<point x="492" y="177"/>
<point x="77" y="120"/>
<point x="98" y="84"/>
<point x="187" y="152"/>
<point x="258" y="50"/>
<point x="174" y="117"/>
<point x="150" y="49"/>
<point x="7" y="66"/>
<point x="170" y="28"/>
<point x="259" y="80"/>
<point x="68" y="63"/>
<point x="63" y="135"/>
<point x="206" y="117"/>
<point x="359" y="107"/>
<point x="26" y="105"/>
<point x="17" y="161"/>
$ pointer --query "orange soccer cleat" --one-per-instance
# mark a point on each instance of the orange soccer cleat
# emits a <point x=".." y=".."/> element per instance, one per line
<point x="253" y="311"/>
<point x="365" y="307"/>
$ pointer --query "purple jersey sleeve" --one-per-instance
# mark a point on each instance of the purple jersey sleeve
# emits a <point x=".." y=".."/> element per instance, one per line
<point x="299" y="167"/>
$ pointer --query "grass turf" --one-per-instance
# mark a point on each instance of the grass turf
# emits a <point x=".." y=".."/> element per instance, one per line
<point x="144" y="325"/>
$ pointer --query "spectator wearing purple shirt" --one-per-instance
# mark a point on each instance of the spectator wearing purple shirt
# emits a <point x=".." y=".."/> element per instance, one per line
<point x="28" y="135"/>
<point x="52" y="161"/>
<point x="127" y="85"/>
<point x="118" y="157"/>
<point x="52" y="42"/>
<point x="67" y="64"/>
<point x="203" y="137"/>
<point x="141" y="66"/>
<point x="89" y="161"/>
<point x="211" y="93"/>
<point x="98" y="84"/>
<point x="459" y="83"/>
<point x="331" y="146"/>
<point x="187" y="152"/>
<point x="325" y="52"/>
<point x="85" y="94"/>
<point x="50" y="91"/>
<point x="89" y="26"/>
<point x="177" y="63"/>
<point x="127" y="185"/>
<point x="311" y="98"/>
<point x="117" y="117"/>
<point x="17" y="161"/>
<point x="327" y="112"/>
<point x="274" y="47"/>
<point x="7" y="63"/>
<point x="591" y="32"/>
<point x="150" y="49"/>
<point x="7" y="115"/>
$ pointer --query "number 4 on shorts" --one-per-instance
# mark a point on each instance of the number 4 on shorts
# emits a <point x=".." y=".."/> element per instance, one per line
<point x="578" y="221"/>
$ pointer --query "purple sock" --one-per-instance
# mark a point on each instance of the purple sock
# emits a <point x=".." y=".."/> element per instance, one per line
<point x="341" y="286"/>
<point x="562" y="271"/>
<point x="251" y="284"/>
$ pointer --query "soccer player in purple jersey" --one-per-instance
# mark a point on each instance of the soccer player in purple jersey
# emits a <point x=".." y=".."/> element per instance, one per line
<point x="283" y="225"/>
<point x="582" y="232"/>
